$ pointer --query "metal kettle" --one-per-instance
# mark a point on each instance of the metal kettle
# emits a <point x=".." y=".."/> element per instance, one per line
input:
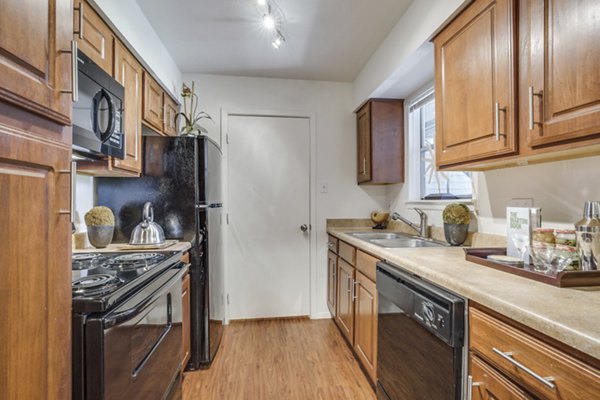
<point x="147" y="231"/>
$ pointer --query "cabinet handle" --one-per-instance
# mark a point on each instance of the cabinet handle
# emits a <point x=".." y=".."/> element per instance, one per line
<point x="73" y="173"/>
<point x="532" y="93"/>
<point x="80" y="9"/>
<point x="354" y="295"/>
<point x="349" y="284"/>
<point x="497" y="110"/>
<point x="74" y="92"/>
<point x="364" y="171"/>
<point x="470" y="386"/>
<point x="508" y="356"/>
<point x="331" y="245"/>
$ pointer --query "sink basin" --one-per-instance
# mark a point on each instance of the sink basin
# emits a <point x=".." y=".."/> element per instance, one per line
<point x="394" y="240"/>
<point x="368" y="236"/>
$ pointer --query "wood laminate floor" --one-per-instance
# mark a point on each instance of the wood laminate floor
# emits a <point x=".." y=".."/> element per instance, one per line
<point x="295" y="359"/>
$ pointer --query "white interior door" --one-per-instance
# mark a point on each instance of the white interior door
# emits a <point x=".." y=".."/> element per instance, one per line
<point x="269" y="202"/>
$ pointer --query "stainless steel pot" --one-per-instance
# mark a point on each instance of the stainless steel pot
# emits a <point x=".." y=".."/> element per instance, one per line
<point x="147" y="231"/>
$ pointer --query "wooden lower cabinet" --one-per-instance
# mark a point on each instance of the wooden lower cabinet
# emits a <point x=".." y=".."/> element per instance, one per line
<point x="332" y="282"/>
<point x="519" y="354"/>
<point x="35" y="261"/>
<point x="489" y="384"/>
<point x="185" y="301"/>
<point x="345" y="303"/>
<point x="365" y="323"/>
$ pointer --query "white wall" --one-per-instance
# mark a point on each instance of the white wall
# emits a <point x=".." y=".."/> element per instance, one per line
<point x="131" y="22"/>
<point x="84" y="199"/>
<point x="402" y="48"/>
<point x="335" y="143"/>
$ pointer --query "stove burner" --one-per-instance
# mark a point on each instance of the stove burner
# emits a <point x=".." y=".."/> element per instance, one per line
<point x="85" y="260"/>
<point x="134" y="262"/>
<point x="138" y="257"/>
<point x="99" y="282"/>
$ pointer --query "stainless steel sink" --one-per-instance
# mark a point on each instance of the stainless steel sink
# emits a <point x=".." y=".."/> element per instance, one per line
<point x="394" y="240"/>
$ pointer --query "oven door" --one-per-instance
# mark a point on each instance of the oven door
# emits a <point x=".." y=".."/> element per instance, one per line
<point x="135" y="352"/>
<point x="412" y="363"/>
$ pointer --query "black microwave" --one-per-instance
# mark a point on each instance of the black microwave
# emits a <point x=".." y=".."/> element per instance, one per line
<point x="98" y="113"/>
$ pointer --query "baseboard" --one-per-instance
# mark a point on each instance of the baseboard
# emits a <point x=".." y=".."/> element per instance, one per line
<point x="321" y="315"/>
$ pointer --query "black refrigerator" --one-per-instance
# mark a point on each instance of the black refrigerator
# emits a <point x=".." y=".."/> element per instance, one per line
<point x="181" y="177"/>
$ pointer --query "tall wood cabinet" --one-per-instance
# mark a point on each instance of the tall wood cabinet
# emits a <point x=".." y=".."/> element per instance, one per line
<point x="475" y="82"/>
<point x="35" y="211"/>
<point x="35" y="58"/>
<point x="380" y="142"/>
<point x="561" y="70"/>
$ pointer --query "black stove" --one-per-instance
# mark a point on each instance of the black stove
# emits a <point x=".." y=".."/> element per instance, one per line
<point x="101" y="280"/>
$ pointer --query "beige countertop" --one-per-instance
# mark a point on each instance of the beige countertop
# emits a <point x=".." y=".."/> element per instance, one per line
<point x="114" y="248"/>
<point x="569" y="315"/>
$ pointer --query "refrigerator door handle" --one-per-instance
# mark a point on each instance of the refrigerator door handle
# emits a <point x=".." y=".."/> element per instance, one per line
<point x="202" y="206"/>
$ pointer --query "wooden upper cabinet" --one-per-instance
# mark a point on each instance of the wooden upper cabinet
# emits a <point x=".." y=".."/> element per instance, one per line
<point x="562" y="66"/>
<point x="365" y="324"/>
<point x="35" y="63"/>
<point x="331" y="282"/>
<point x="152" y="109"/>
<point x="35" y="263"/>
<point x="475" y="78"/>
<point x="170" y="111"/>
<point x="380" y="142"/>
<point x="128" y="72"/>
<point x="93" y="36"/>
<point x="363" y="141"/>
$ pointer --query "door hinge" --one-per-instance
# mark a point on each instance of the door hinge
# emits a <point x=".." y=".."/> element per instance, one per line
<point x="227" y="138"/>
<point x="227" y="298"/>
<point x="227" y="218"/>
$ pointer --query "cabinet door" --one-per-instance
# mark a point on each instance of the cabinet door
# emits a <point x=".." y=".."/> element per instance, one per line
<point x="489" y="384"/>
<point x="170" y="111"/>
<point x="128" y="72"/>
<point x="365" y="324"/>
<point x="185" y="301"/>
<point x="35" y="265"/>
<point x="363" y="142"/>
<point x="152" y="111"/>
<point x="93" y="36"/>
<point x="345" y="302"/>
<point x="564" y="73"/>
<point x="34" y="67"/>
<point x="331" y="282"/>
<point x="475" y="84"/>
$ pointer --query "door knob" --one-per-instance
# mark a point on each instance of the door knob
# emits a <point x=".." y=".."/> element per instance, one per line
<point x="303" y="227"/>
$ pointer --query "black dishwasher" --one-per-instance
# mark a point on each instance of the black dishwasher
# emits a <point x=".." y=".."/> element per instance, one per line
<point x="420" y="338"/>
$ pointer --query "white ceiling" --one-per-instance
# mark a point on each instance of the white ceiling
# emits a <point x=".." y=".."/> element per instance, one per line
<point x="325" y="39"/>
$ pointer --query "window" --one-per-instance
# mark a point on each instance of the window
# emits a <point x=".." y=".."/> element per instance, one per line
<point x="433" y="184"/>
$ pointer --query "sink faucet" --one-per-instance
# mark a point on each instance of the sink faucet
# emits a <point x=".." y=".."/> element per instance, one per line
<point x="421" y="228"/>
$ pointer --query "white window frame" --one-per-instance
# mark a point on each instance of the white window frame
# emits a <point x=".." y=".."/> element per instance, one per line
<point x="414" y="157"/>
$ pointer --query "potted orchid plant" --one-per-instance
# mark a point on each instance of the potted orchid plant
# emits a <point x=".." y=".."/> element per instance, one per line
<point x="191" y="116"/>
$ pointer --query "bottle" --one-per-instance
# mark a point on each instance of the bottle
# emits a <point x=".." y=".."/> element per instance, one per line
<point x="588" y="236"/>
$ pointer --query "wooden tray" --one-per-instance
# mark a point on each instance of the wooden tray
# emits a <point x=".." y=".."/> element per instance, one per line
<point x="562" y="279"/>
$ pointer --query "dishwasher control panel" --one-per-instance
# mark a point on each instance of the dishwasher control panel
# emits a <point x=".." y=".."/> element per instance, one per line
<point x="433" y="316"/>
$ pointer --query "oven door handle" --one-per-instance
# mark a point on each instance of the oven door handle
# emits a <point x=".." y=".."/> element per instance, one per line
<point x="158" y="342"/>
<point x="119" y="317"/>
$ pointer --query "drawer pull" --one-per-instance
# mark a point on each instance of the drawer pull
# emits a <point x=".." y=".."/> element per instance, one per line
<point x="508" y="356"/>
<point x="470" y="386"/>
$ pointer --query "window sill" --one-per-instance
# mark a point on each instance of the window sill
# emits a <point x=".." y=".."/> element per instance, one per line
<point x="437" y="205"/>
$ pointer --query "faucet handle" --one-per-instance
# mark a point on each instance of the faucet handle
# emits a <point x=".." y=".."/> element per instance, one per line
<point x="419" y="211"/>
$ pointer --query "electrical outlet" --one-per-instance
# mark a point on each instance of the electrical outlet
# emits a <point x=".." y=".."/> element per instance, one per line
<point x="521" y="202"/>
